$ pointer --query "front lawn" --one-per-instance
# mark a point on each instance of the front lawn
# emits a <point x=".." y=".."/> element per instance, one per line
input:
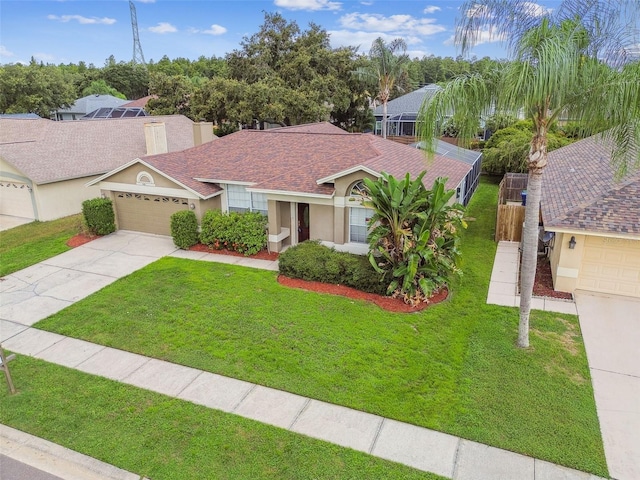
<point x="28" y="244"/>
<point x="453" y="367"/>
<point x="162" y="438"/>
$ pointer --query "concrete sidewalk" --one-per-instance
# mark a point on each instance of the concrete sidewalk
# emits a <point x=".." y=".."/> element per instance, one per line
<point x="418" y="447"/>
<point x="503" y="289"/>
<point x="38" y="291"/>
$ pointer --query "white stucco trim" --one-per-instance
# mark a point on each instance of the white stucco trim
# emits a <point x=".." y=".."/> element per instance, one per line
<point x="294" y="196"/>
<point x="357" y="168"/>
<point x="570" y="231"/>
<point x="568" y="272"/>
<point x="148" y="190"/>
<point x="230" y="182"/>
<point x="285" y="232"/>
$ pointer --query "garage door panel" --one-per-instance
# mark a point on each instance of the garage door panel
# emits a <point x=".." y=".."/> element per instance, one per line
<point x="611" y="265"/>
<point x="147" y="213"/>
<point x="15" y="200"/>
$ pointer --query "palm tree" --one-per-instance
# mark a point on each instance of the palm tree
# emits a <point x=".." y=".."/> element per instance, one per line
<point x="387" y="68"/>
<point x="575" y="61"/>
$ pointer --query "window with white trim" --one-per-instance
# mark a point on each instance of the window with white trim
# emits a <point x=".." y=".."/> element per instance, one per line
<point x="239" y="200"/>
<point x="359" y="224"/>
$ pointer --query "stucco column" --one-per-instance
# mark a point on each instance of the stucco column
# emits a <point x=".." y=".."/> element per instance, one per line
<point x="274" y="224"/>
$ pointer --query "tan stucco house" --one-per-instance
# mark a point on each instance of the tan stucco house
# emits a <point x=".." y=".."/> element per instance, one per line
<point x="45" y="165"/>
<point x="596" y="221"/>
<point x="304" y="178"/>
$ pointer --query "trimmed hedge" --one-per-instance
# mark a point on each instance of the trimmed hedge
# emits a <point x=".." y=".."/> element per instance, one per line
<point x="184" y="229"/>
<point x="240" y="232"/>
<point x="98" y="216"/>
<point x="313" y="261"/>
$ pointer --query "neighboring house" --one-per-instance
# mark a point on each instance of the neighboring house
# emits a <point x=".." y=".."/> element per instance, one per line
<point x="471" y="157"/>
<point x="115" y="112"/>
<point x="45" y="165"/>
<point x="305" y="178"/>
<point x="596" y="221"/>
<point x="87" y="104"/>
<point x="20" y="115"/>
<point x="402" y="112"/>
<point x="141" y="102"/>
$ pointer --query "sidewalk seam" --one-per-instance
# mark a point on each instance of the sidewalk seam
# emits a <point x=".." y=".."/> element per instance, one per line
<point x="304" y="407"/>
<point x="375" y="438"/>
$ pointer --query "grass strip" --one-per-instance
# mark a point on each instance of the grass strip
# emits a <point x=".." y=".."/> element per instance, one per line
<point x="165" y="439"/>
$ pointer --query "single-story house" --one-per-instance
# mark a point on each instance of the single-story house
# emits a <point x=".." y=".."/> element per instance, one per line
<point x="44" y="165"/>
<point x="595" y="219"/>
<point x="305" y="178"/>
<point x="87" y="104"/>
<point x="402" y="112"/>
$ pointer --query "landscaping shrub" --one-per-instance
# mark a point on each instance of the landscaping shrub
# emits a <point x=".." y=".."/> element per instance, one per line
<point x="184" y="229"/>
<point x="240" y="232"/>
<point x="98" y="216"/>
<point x="313" y="261"/>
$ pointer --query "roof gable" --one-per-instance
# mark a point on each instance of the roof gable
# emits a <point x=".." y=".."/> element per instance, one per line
<point x="410" y="102"/>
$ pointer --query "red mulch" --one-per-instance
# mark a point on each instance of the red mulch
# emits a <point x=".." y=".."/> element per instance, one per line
<point x="387" y="303"/>
<point x="80" y="239"/>
<point x="261" y="255"/>
<point x="543" y="286"/>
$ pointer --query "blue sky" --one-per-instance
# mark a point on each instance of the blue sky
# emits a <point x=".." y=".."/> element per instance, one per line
<point x="71" y="31"/>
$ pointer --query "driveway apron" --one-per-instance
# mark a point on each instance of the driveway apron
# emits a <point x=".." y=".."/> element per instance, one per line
<point x="43" y="289"/>
<point x="611" y="331"/>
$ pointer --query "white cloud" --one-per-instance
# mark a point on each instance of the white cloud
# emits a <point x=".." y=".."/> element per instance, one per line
<point x="215" y="30"/>
<point x="83" y="20"/>
<point x="363" y="40"/>
<point x="484" y="36"/>
<point x="535" y="10"/>
<point x="310" y="5"/>
<point x="368" y="4"/>
<point x="163" y="27"/>
<point x="44" y="57"/>
<point x="146" y="1"/>
<point x="4" y="52"/>
<point x="431" y="9"/>
<point x="403" y="25"/>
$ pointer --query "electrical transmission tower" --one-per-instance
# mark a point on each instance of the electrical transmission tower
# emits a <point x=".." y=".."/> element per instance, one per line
<point x="138" y="56"/>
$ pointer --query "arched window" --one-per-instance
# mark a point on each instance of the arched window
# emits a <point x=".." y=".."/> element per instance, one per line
<point x="145" y="178"/>
<point x="358" y="189"/>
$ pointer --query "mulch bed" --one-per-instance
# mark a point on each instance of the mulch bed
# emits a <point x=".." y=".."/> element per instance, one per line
<point x="80" y="239"/>
<point x="387" y="303"/>
<point x="543" y="286"/>
<point x="261" y="255"/>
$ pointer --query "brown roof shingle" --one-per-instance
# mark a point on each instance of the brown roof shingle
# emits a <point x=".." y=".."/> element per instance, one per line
<point x="293" y="159"/>
<point x="48" y="151"/>
<point x="579" y="190"/>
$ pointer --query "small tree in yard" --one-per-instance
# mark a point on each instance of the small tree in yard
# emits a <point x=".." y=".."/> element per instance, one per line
<point x="414" y="235"/>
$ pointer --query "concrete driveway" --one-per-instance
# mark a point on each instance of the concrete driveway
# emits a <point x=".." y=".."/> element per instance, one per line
<point x="611" y="331"/>
<point x="38" y="291"/>
<point x="8" y="221"/>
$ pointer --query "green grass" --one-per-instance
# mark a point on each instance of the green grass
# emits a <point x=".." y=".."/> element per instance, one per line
<point x="453" y="367"/>
<point x="162" y="438"/>
<point x="28" y="244"/>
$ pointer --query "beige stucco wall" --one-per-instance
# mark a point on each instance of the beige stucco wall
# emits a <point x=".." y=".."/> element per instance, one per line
<point x="321" y="222"/>
<point x="130" y="174"/>
<point x="60" y="199"/>
<point x="565" y="262"/>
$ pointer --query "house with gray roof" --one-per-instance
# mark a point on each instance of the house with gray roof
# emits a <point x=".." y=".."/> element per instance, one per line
<point x="306" y="179"/>
<point x="402" y="112"/>
<point x="44" y="165"/>
<point x="86" y="105"/>
<point x="595" y="219"/>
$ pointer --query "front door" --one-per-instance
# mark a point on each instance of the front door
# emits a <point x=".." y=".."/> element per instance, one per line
<point x="303" y="222"/>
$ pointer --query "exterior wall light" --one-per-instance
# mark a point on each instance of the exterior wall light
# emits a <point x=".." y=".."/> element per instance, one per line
<point x="572" y="242"/>
<point x="192" y="206"/>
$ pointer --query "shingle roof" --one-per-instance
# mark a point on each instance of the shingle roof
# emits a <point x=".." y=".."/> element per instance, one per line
<point x="293" y="159"/>
<point x="141" y="102"/>
<point x="409" y="103"/>
<point x="90" y="103"/>
<point x="579" y="191"/>
<point x="48" y="151"/>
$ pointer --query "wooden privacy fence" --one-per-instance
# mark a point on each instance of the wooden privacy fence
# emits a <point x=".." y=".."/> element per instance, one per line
<point x="509" y="223"/>
<point x="510" y="210"/>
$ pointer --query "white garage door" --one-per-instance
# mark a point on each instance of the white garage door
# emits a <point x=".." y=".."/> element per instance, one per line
<point x="15" y="200"/>
<point x="147" y="213"/>
<point x="611" y="265"/>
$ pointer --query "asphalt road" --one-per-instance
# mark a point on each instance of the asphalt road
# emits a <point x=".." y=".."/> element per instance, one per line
<point x="11" y="469"/>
